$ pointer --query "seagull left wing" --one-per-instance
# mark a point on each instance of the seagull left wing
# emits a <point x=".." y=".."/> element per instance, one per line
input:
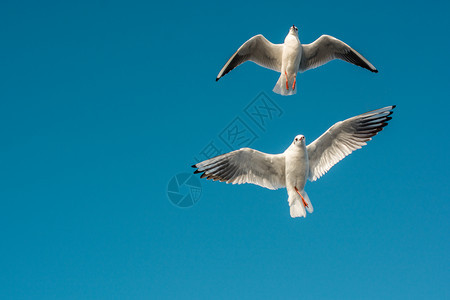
<point x="327" y="48"/>
<point x="258" y="50"/>
<point x="343" y="138"/>
<point x="245" y="166"/>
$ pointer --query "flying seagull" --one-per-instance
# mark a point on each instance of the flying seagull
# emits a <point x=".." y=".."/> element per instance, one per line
<point x="293" y="57"/>
<point x="299" y="161"/>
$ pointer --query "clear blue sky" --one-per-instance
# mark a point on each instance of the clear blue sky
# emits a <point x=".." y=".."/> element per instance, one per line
<point x="102" y="102"/>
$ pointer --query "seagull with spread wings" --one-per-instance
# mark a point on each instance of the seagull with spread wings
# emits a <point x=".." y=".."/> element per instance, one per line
<point x="299" y="161"/>
<point x="293" y="57"/>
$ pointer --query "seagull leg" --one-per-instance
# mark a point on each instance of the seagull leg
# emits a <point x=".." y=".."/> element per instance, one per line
<point x="295" y="80"/>
<point x="304" y="202"/>
<point x="287" y="82"/>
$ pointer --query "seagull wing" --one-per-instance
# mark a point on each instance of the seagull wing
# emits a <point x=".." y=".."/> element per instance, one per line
<point x="258" y="50"/>
<point x="343" y="138"/>
<point x="327" y="48"/>
<point x="245" y="166"/>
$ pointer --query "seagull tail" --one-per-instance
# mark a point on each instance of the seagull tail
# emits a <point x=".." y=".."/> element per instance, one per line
<point x="299" y="205"/>
<point x="309" y="206"/>
<point x="297" y="209"/>
<point x="280" y="87"/>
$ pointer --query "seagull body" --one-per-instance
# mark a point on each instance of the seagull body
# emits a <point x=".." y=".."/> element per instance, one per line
<point x="290" y="62"/>
<point x="292" y="57"/>
<point x="299" y="162"/>
<point x="297" y="166"/>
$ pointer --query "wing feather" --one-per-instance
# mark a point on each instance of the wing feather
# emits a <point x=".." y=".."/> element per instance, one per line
<point x="327" y="48"/>
<point x="245" y="166"/>
<point x="258" y="50"/>
<point x="343" y="138"/>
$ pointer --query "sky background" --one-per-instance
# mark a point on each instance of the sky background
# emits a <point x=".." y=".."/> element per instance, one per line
<point x="103" y="102"/>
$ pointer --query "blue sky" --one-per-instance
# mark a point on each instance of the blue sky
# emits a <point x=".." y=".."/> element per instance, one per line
<point x="103" y="102"/>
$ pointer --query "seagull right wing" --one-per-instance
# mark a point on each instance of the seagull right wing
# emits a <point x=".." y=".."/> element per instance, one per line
<point x="327" y="48"/>
<point x="258" y="50"/>
<point x="245" y="166"/>
<point x="343" y="138"/>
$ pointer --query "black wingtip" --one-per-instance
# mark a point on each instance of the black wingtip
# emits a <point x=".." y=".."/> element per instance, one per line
<point x="217" y="79"/>
<point x="375" y="71"/>
<point x="394" y="106"/>
<point x="193" y="166"/>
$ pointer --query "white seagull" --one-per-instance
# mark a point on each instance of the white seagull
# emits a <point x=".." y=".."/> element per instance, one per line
<point x="293" y="57"/>
<point x="298" y="162"/>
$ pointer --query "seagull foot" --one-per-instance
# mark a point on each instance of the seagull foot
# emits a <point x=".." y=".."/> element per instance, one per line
<point x="287" y="82"/>
<point x="295" y="81"/>
<point x="304" y="202"/>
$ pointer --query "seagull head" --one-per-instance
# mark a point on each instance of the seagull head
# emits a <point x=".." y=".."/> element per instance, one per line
<point x="299" y="140"/>
<point x="293" y="30"/>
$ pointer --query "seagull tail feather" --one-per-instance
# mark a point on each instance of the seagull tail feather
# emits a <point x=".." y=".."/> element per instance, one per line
<point x="297" y="204"/>
<point x="297" y="209"/>
<point x="280" y="86"/>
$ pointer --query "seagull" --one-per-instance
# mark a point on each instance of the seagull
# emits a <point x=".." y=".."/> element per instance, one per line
<point x="299" y="161"/>
<point x="293" y="57"/>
